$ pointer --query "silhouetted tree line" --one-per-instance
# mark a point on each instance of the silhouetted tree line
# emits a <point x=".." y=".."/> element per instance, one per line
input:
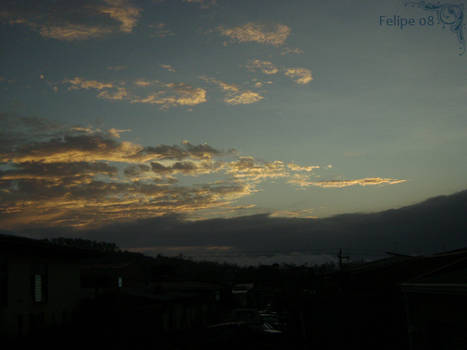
<point x="183" y="268"/>
<point x="85" y="244"/>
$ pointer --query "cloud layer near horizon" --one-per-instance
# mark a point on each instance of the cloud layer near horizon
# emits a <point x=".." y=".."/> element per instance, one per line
<point x="270" y="239"/>
<point x="53" y="174"/>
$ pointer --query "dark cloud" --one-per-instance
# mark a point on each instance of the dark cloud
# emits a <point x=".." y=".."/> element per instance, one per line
<point x="184" y="151"/>
<point x="72" y="20"/>
<point x="136" y="170"/>
<point x="434" y="225"/>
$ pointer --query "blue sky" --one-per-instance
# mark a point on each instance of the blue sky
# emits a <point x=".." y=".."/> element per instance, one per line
<point x="126" y="110"/>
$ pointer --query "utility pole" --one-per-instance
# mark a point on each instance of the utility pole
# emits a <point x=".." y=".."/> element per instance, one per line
<point x="341" y="257"/>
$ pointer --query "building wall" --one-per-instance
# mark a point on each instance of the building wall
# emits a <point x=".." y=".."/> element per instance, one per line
<point x="21" y="316"/>
<point x="437" y="321"/>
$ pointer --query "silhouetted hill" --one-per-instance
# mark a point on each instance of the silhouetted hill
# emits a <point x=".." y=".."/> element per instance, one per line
<point x="433" y="225"/>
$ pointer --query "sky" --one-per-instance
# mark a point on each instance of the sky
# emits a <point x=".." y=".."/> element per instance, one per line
<point x="115" y="111"/>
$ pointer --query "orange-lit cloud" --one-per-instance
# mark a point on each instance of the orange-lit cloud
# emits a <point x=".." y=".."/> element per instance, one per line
<point x="143" y="83"/>
<point x="178" y="94"/>
<point x="368" y="181"/>
<point x="118" y="95"/>
<point x="168" y="67"/>
<point x="80" y="176"/>
<point x="301" y="213"/>
<point x="166" y="95"/>
<point x="116" y="132"/>
<point x="234" y="94"/>
<point x="295" y="167"/>
<point x="246" y="97"/>
<point x="299" y="75"/>
<point x="71" y="22"/>
<point x="248" y="168"/>
<point x="264" y="66"/>
<point x="81" y="83"/>
<point x="122" y="11"/>
<point x="254" y="32"/>
<point x="70" y="32"/>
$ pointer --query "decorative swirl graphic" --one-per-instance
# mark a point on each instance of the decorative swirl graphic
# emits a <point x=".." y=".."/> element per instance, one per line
<point x="451" y="15"/>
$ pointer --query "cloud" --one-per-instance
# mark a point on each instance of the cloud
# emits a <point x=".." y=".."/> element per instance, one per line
<point x="246" y="97"/>
<point x="253" y="32"/>
<point x="290" y="51"/>
<point x="73" y="176"/>
<point x="56" y="171"/>
<point x="142" y="83"/>
<point x="69" y="21"/>
<point x="80" y="176"/>
<point x="80" y="83"/>
<point x="234" y="94"/>
<point x="116" y="132"/>
<point x="300" y="75"/>
<point x="264" y="66"/>
<point x="166" y="95"/>
<point x="262" y="238"/>
<point x="87" y="146"/>
<point x="295" y="167"/>
<point x="179" y="94"/>
<point x="74" y="148"/>
<point x="160" y="30"/>
<point x="192" y="168"/>
<point x="368" y="181"/>
<point x="70" y="32"/>
<point x="223" y="85"/>
<point x="249" y="169"/>
<point x="168" y="67"/>
<point x="118" y="95"/>
<point x="301" y="213"/>
<point x="186" y="150"/>
<point x="97" y="202"/>
<point x="122" y="11"/>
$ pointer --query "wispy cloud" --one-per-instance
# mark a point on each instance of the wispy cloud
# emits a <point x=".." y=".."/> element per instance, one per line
<point x="264" y="66"/>
<point x="166" y="95"/>
<point x="69" y="21"/>
<point x="70" y="31"/>
<point x="168" y="67"/>
<point x="116" y="132"/>
<point x="300" y="213"/>
<point x="80" y="176"/>
<point x="290" y="51"/>
<point x="122" y="11"/>
<point x="368" y="181"/>
<point x="248" y="168"/>
<point x="296" y="167"/>
<point x="299" y="75"/>
<point x="234" y="95"/>
<point x="160" y="30"/>
<point x="80" y="83"/>
<point x="118" y="95"/>
<point x="244" y="98"/>
<point x="179" y="94"/>
<point x="259" y="33"/>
